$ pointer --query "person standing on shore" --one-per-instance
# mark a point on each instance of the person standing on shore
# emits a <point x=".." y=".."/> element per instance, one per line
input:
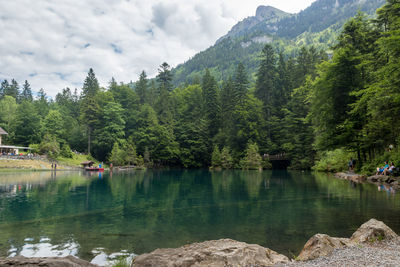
<point x="351" y="167"/>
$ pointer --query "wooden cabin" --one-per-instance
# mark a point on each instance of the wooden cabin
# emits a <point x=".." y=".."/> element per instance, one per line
<point x="86" y="164"/>
<point x="2" y="132"/>
<point x="8" y="149"/>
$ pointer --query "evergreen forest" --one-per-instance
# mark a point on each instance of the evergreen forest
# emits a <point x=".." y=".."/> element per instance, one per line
<point x="309" y="106"/>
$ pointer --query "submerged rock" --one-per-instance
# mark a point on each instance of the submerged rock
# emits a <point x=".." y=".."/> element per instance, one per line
<point x="223" y="252"/>
<point x="69" y="261"/>
<point x="321" y="245"/>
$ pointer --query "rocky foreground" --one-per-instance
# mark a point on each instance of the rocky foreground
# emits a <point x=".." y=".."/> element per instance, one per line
<point x="373" y="244"/>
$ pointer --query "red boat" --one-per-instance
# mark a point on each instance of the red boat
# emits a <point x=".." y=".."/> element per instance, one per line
<point x="94" y="169"/>
<point x="88" y="166"/>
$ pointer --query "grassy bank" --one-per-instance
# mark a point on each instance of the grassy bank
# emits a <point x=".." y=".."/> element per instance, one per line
<point x="41" y="165"/>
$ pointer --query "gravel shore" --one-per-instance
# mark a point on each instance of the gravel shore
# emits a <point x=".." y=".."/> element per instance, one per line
<point x="379" y="253"/>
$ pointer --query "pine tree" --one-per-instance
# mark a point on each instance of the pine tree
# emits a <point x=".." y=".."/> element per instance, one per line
<point x="141" y="88"/>
<point x="12" y="90"/>
<point x="26" y="92"/>
<point x="91" y="85"/>
<point x="241" y="83"/>
<point x="164" y="78"/>
<point x="164" y="105"/>
<point x="41" y="104"/>
<point x="3" y="88"/>
<point x="89" y="105"/>
<point x="266" y="79"/>
<point x="211" y="105"/>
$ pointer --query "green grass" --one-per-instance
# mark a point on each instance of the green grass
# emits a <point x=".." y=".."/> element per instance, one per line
<point x="75" y="161"/>
<point x="120" y="263"/>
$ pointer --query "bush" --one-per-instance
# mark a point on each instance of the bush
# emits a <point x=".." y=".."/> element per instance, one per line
<point x="49" y="146"/>
<point x="124" y="153"/>
<point x="117" y="157"/>
<point x="226" y="158"/>
<point x="221" y="159"/>
<point x="216" y="158"/>
<point x="334" y="161"/>
<point x="35" y="148"/>
<point x="66" y="152"/>
<point x="252" y="160"/>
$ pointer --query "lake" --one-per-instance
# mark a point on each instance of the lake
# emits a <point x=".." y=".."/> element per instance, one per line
<point x="99" y="217"/>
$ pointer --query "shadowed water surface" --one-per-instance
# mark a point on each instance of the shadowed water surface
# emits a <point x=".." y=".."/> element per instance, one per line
<point x="102" y="216"/>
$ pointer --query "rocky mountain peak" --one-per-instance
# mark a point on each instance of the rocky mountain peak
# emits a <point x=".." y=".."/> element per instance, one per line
<point x="268" y="12"/>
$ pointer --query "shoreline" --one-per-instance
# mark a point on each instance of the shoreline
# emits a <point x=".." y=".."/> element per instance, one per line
<point x="391" y="181"/>
<point x="372" y="244"/>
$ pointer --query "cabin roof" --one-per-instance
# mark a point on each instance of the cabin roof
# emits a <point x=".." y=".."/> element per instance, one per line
<point x="15" y="147"/>
<point x="87" y="162"/>
<point x="2" y="132"/>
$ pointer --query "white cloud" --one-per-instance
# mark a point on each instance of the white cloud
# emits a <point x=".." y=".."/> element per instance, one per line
<point x="52" y="44"/>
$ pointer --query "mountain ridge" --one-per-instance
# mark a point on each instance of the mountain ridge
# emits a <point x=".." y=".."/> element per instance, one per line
<point x="316" y="25"/>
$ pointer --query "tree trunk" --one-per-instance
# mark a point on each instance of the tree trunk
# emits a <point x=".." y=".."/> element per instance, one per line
<point x="89" y="132"/>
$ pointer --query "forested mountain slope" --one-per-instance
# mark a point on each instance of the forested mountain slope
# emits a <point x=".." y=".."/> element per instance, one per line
<point x="318" y="25"/>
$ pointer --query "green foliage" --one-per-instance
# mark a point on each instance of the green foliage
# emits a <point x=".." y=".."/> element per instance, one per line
<point x="35" y="148"/>
<point x="53" y="124"/>
<point x="125" y="154"/>
<point x="66" y="151"/>
<point x="110" y="131"/>
<point x="142" y="88"/>
<point x="216" y="158"/>
<point x="221" y="159"/>
<point x="117" y="157"/>
<point x="49" y="146"/>
<point x="211" y="105"/>
<point x="26" y="92"/>
<point x="226" y="159"/>
<point x="240" y="95"/>
<point x="121" y="263"/>
<point x="8" y="108"/>
<point x="334" y="161"/>
<point x="252" y="160"/>
<point x="26" y="125"/>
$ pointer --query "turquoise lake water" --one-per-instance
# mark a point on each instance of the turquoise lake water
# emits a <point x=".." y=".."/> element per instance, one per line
<point x="101" y="216"/>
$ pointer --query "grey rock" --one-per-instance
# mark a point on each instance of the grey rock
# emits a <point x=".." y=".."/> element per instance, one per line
<point x="68" y="261"/>
<point x="357" y="178"/>
<point x="223" y="252"/>
<point x="321" y="245"/>
<point x="371" y="231"/>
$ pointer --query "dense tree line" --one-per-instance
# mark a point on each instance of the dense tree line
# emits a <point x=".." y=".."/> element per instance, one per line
<point x="354" y="101"/>
<point x="164" y="125"/>
<point x="298" y="106"/>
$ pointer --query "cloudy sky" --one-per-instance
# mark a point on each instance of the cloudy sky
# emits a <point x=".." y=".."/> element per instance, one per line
<point x="52" y="44"/>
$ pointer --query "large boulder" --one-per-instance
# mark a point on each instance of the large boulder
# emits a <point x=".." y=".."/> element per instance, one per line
<point x="68" y="261"/>
<point x="223" y="252"/>
<point x="371" y="231"/>
<point x="321" y="245"/>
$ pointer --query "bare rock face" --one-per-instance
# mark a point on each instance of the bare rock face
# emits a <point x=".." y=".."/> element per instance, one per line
<point x="223" y="252"/>
<point x="68" y="261"/>
<point x="371" y="231"/>
<point x="321" y="245"/>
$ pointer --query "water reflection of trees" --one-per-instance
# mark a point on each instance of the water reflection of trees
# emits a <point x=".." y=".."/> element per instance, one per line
<point x="143" y="210"/>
